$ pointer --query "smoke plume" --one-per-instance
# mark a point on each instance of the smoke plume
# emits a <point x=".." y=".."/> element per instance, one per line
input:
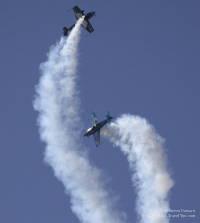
<point x="58" y="104"/>
<point x="60" y="126"/>
<point x="147" y="159"/>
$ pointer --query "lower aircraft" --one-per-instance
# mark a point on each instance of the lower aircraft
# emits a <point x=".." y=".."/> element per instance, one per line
<point x="95" y="130"/>
<point x="85" y="24"/>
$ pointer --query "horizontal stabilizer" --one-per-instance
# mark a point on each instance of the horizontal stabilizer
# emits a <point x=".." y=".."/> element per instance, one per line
<point x="108" y="117"/>
<point x="66" y="30"/>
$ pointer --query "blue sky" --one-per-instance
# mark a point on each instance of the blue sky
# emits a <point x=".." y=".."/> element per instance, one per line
<point x="142" y="59"/>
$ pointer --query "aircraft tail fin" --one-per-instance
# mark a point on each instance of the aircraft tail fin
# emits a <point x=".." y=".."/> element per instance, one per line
<point x="108" y="117"/>
<point x="65" y="29"/>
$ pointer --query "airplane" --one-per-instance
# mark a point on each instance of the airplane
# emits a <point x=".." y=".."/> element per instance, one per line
<point x="95" y="130"/>
<point x="85" y="24"/>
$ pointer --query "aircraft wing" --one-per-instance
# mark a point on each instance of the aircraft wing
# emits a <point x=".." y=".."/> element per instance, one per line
<point x="86" y="24"/>
<point x="94" y="119"/>
<point x="78" y="13"/>
<point x="97" y="138"/>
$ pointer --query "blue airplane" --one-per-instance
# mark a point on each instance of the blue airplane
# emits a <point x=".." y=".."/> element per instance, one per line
<point x="85" y="24"/>
<point x="95" y="130"/>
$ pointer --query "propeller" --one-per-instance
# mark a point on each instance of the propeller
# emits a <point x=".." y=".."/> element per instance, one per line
<point x="87" y="34"/>
<point x="69" y="9"/>
<point x="94" y="13"/>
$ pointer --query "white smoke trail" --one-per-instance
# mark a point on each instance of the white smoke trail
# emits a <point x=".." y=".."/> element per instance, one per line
<point x="148" y="164"/>
<point x="59" y="121"/>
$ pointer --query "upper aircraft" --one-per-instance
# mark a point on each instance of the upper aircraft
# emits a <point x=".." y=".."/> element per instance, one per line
<point x="95" y="130"/>
<point x="85" y="24"/>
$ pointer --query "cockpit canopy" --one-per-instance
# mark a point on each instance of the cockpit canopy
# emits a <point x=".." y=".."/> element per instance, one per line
<point x="88" y="129"/>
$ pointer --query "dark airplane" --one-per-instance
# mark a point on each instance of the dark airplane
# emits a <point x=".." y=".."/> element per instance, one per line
<point x="95" y="130"/>
<point x="85" y="24"/>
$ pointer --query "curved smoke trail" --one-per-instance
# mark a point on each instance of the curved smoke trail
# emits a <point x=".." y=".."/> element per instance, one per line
<point x="148" y="164"/>
<point x="59" y="121"/>
<point x="60" y="126"/>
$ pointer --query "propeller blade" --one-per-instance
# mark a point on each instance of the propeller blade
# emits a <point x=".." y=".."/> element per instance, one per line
<point x="70" y="10"/>
<point x="87" y="34"/>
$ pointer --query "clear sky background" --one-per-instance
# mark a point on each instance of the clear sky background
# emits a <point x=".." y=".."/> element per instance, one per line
<point x="143" y="58"/>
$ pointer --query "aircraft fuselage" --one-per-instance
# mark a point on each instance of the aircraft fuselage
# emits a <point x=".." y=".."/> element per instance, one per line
<point x="98" y="126"/>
